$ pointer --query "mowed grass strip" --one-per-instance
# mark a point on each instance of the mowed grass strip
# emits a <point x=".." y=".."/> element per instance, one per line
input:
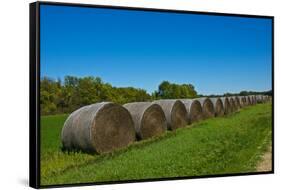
<point x="229" y="144"/>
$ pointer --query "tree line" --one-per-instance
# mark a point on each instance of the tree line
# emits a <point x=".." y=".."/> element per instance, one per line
<point x="57" y="96"/>
<point x="242" y="93"/>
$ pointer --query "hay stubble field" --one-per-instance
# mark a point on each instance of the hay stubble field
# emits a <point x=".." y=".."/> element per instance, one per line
<point x="230" y="144"/>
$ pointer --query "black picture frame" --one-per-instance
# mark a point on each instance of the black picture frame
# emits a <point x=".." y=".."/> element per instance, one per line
<point x="34" y="90"/>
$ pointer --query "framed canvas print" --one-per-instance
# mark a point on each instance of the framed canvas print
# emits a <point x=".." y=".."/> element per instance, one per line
<point x="122" y="94"/>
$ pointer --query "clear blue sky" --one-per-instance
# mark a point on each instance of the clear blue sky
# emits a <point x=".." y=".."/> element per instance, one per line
<point x="216" y="54"/>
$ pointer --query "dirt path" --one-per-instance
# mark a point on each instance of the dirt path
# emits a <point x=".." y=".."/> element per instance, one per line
<point x="266" y="162"/>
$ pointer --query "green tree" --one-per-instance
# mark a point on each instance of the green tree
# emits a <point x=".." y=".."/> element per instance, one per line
<point x="57" y="96"/>
<point x="167" y="90"/>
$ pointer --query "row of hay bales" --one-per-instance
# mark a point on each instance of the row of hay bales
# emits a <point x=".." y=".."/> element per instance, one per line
<point x="104" y="127"/>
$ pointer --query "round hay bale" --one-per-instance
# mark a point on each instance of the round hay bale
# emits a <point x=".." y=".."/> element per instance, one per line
<point x="217" y="102"/>
<point x="207" y="107"/>
<point x="226" y="105"/>
<point x="258" y="98"/>
<point x="194" y="110"/>
<point x="232" y="104"/>
<point x="253" y="100"/>
<point x="263" y="98"/>
<point x="241" y="101"/>
<point x="249" y="100"/>
<point x="149" y="119"/>
<point x="101" y="127"/>
<point x="175" y="113"/>
<point x="236" y="102"/>
<point x="245" y="100"/>
<point x="268" y="98"/>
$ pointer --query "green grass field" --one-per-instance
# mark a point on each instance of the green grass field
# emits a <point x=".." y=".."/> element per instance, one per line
<point x="230" y="144"/>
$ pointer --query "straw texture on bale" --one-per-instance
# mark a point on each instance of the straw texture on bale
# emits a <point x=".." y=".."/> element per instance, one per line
<point x="194" y="110"/>
<point x="207" y="107"/>
<point x="264" y="98"/>
<point x="218" y="105"/>
<point x="101" y="127"/>
<point x="249" y="100"/>
<point x="259" y="99"/>
<point x="237" y="99"/>
<point x="149" y="119"/>
<point x="255" y="99"/>
<point x="242" y="101"/>
<point x="232" y="104"/>
<point x="236" y="102"/>
<point x="252" y="98"/>
<point x="175" y="113"/>
<point x="267" y="98"/>
<point x="226" y="105"/>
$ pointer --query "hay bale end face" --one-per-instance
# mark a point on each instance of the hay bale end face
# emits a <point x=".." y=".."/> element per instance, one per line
<point x="218" y="105"/>
<point x="194" y="110"/>
<point x="149" y="119"/>
<point x="226" y="105"/>
<point x="175" y="113"/>
<point x="101" y="127"/>
<point x="207" y="107"/>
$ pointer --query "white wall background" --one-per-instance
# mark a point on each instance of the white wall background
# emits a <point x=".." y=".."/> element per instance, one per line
<point x="14" y="77"/>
